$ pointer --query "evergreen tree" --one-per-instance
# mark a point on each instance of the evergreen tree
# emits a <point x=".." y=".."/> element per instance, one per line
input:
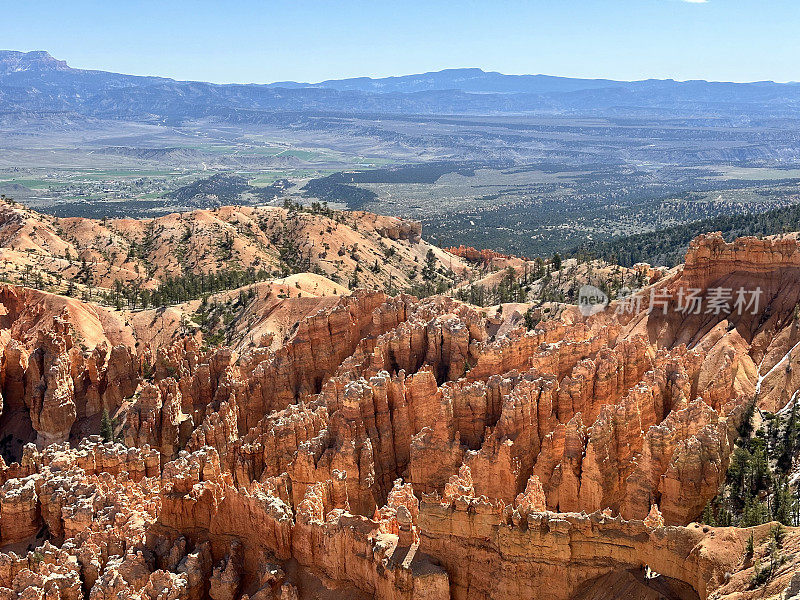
<point x="556" y="262"/>
<point x="429" y="269"/>
<point x="106" y="427"/>
<point x="708" y="515"/>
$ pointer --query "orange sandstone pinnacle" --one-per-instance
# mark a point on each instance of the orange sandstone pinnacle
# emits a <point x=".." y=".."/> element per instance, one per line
<point x="391" y="447"/>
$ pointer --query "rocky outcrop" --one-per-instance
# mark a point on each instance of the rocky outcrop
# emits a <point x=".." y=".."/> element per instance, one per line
<point x="49" y="388"/>
<point x="97" y="518"/>
<point x="484" y="256"/>
<point x="394" y="448"/>
<point x="710" y="258"/>
<point x="492" y="551"/>
<point x="318" y="347"/>
<point x="20" y="518"/>
<point x="399" y="229"/>
<point x="393" y="566"/>
<point x="200" y="504"/>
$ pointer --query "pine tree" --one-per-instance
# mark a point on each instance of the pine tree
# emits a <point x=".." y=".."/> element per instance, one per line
<point x="783" y="503"/>
<point x="708" y="515"/>
<point x="106" y="427"/>
<point x="429" y="270"/>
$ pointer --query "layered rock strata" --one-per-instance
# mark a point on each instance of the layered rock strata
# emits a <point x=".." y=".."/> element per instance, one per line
<point x="396" y="447"/>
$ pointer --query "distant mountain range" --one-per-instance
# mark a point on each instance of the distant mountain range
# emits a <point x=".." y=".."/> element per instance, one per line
<point x="35" y="82"/>
<point x="465" y="80"/>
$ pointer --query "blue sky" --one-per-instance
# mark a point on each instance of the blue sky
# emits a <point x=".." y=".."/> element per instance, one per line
<point x="303" y="40"/>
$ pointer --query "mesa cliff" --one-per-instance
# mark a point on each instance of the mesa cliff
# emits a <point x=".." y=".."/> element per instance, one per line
<point x="398" y="448"/>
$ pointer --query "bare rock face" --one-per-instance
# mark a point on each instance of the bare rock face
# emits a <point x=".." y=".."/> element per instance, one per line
<point x="49" y="388"/>
<point x="654" y="519"/>
<point x="289" y="592"/>
<point x="317" y="348"/>
<point x="532" y="499"/>
<point x="710" y="257"/>
<point x="14" y="365"/>
<point x="492" y="551"/>
<point x="58" y="387"/>
<point x="19" y="510"/>
<point x="97" y="518"/>
<point x="395" y="448"/>
<point x="121" y="376"/>
<point x="226" y="578"/>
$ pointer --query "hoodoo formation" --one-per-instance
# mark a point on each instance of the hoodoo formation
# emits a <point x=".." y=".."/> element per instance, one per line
<point x="378" y="445"/>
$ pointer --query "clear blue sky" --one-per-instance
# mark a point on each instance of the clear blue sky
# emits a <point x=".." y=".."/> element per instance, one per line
<point x="304" y="40"/>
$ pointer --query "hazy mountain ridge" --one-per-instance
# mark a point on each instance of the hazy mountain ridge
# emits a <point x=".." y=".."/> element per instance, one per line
<point x="35" y="81"/>
<point x="467" y="79"/>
